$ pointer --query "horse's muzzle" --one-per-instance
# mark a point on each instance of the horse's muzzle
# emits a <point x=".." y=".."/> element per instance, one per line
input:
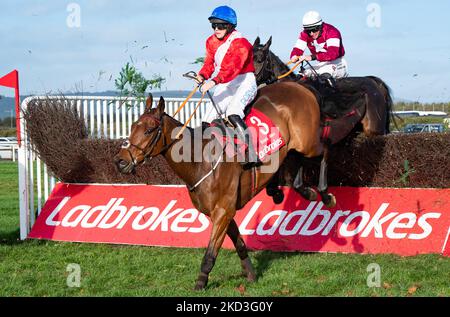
<point x="123" y="166"/>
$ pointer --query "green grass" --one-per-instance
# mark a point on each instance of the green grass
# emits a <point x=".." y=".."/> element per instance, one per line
<point x="39" y="268"/>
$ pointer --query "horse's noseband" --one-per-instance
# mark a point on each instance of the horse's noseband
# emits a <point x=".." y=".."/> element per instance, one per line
<point x="146" y="153"/>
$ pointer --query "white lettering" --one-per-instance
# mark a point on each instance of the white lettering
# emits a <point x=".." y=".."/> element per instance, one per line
<point x="74" y="18"/>
<point x="128" y="215"/>
<point x="396" y="224"/>
<point x="115" y="208"/>
<point x="313" y="220"/>
<point x="374" y="18"/>
<point x="83" y="209"/>
<point x="154" y="214"/>
<point x="343" y="230"/>
<point x="192" y="215"/>
<point x="338" y="214"/>
<point x="374" y="278"/>
<point x="49" y="221"/>
<point x="103" y="209"/>
<point x="205" y="223"/>
<point x="280" y="216"/>
<point x="427" y="229"/>
<point x="325" y="214"/>
<point x="243" y="227"/>
<point x="376" y="223"/>
<point x="165" y="216"/>
<point x="304" y="215"/>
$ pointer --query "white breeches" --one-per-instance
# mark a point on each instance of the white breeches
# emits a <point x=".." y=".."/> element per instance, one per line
<point x="232" y="97"/>
<point x="337" y="68"/>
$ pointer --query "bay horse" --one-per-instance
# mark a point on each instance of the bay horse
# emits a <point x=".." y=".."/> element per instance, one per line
<point x="294" y="111"/>
<point x="376" y="97"/>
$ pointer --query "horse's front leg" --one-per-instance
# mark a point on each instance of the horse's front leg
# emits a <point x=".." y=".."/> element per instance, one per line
<point x="241" y="249"/>
<point x="220" y="219"/>
<point x="328" y="199"/>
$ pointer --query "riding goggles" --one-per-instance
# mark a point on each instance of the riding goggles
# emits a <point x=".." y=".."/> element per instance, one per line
<point x="220" y="26"/>
<point x="312" y="30"/>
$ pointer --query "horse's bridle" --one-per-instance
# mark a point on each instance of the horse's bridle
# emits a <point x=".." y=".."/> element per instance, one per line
<point x="266" y="67"/>
<point x="147" y="153"/>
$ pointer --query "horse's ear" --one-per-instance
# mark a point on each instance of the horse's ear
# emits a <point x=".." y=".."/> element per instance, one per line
<point x="267" y="45"/>
<point x="257" y="42"/>
<point x="161" y="106"/>
<point x="149" y="102"/>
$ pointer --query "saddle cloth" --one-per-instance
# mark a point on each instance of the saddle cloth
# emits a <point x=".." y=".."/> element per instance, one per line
<point x="263" y="133"/>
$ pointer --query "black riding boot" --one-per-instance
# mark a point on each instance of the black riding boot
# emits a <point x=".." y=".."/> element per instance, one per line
<point x="328" y="80"/>
<point x="240" y="128"/>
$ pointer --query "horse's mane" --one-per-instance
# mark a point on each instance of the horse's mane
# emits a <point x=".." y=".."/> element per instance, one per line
<point x="280" y="67"/>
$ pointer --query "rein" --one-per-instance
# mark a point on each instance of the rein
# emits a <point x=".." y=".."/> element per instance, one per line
<point x="289" y="72"/>
<point x="267" y="67"/>
<point x="190" y="117"/>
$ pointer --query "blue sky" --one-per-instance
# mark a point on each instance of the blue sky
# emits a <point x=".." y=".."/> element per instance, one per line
<point x="409" y="49"/>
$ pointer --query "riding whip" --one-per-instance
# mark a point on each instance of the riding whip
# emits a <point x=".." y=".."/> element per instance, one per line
<point x="193" y="75"/>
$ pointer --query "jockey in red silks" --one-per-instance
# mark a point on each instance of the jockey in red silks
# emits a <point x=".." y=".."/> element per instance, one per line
<point x="229" y="65"/>
<point x="325" y="44"/>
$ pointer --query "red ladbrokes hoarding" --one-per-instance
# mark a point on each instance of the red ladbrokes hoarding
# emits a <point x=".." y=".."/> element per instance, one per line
<point x="365" y="220"/>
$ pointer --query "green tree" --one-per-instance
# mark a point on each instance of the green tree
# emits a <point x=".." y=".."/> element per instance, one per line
<point x="132" y="83"/>
<point x="199" y="60"/>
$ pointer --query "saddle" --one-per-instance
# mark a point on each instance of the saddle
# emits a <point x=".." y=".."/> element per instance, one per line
<point x="263" y="133"/>
<point x="342" y="105"/>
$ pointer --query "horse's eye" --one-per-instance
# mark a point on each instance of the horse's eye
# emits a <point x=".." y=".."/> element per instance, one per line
<point x="125" y="144"/>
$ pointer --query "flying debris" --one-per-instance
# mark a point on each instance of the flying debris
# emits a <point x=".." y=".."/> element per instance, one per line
<point x="100" y="74"/>
<point x="164" y="59"/>
<point x="165" y="38"/>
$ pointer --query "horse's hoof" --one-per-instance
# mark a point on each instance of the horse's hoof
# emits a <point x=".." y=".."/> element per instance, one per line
<point x="247" y="270"/>
<point x="199" y="286"/>
<point x="278" y="197"/>
<point x="251" y="278"/>
<point x="307" y="193"/>
<point x="312" y="194"/>
<point x="330" y="201"/>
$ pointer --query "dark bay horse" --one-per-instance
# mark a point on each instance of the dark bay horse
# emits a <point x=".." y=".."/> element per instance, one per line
<point x="268" y="67"/>
<point x="294" y="111"/>
<point x="371" y="90"/>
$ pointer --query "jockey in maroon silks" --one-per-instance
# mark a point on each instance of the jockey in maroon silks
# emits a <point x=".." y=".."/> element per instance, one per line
<point x="324" y="41"/>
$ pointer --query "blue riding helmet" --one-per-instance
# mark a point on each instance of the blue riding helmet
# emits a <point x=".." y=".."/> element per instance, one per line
<point x="224" y="13"/>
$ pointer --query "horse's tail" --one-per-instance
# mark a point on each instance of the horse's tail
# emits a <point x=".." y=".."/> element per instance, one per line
<point x="389" y="102"/>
